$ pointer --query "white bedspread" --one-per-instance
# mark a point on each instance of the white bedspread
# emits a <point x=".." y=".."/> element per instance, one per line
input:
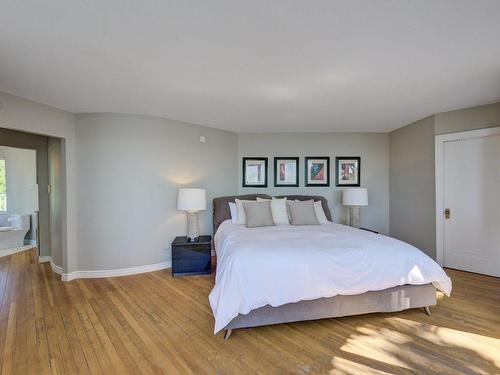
<point x="283" y="264"/>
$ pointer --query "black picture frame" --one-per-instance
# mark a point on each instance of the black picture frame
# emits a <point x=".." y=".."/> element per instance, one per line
<point x="326" y="159"/>
<point x="276" y="160"/>
<point x="338" y="172"/>
<point x="244" y="165"/>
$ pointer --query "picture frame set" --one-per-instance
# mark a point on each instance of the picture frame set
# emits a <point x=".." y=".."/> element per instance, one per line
<point x="316" y="171"/>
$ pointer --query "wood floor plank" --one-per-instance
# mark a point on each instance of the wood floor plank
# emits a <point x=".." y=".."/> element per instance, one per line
<point x="155" y="324"/>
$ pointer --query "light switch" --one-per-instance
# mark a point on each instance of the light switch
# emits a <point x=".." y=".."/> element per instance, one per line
<point x="203" y="139"/>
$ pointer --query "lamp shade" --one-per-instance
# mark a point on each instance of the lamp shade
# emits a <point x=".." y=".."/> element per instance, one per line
<point x="355" y="197"/>
<point x="191" y="199"/>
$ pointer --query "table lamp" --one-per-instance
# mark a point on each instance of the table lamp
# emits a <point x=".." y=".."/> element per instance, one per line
<point x="192" y="201"/>
<point x="354" y="197"/>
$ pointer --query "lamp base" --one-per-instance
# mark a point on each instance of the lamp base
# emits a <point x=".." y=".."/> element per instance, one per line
<point x="354" y="220"/>
<point x="193" y="225"/>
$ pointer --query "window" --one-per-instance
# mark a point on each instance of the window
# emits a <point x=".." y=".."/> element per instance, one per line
<point x="3" y="186"/>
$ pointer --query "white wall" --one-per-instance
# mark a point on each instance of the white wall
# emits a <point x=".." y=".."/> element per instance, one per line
<point x="129" y="170"/>
<point x="372" y="147"/>
<point x="22" y="191"/>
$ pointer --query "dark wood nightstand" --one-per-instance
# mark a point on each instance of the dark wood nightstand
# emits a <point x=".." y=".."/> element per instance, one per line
<point x="191" y="257"/>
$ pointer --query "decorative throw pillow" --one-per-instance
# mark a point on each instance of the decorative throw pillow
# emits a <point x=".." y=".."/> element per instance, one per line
<point x="258" y="214"/>
<point x="234" y="212"/>
<point x="320" y="213"/>
<point x="240" y="212"/>
<point x="302" y="213"/>
<point x="278" y="209"/>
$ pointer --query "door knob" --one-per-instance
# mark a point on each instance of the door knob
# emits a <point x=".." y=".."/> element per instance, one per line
<point x="447" y="213"/>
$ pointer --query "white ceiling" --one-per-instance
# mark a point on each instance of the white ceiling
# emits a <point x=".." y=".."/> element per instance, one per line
<point x="253" y="66"/>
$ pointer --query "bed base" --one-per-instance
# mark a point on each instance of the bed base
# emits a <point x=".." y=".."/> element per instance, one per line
<point x="388" y="300"/>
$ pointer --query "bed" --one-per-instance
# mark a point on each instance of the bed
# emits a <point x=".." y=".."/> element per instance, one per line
<point x="285" y="273"/>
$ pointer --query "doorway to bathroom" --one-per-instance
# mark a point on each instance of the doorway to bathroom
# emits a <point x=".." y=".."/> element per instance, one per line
<point x="47" y="223"/>
<point x="18" y="200"/>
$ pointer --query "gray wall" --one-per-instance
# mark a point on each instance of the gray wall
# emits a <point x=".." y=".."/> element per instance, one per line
<point x="12" y="138"/>
<point x="129" y="170"/>
<point x="484" y="116"/>
<point x="165" y="155"/>
<point x="55" y="200"/>
<point x="372" y="147"/>
<point x="412" y="171"/>
<point x="412" y="185"/>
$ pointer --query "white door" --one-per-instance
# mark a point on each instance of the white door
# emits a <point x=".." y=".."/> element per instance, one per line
<point x="471" y="192"/>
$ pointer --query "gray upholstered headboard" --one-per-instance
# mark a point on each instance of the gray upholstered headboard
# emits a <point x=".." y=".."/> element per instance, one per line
<point x="221" y="205"/>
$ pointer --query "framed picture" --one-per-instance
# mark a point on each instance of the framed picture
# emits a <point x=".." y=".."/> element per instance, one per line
<point x="348" y="171"/>
<point x="317" y="171"/>
<point x="286" y="171"/>
<point x="255" y="172"/>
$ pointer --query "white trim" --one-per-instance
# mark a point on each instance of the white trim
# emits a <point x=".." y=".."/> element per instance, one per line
<point x="48" y="259"/>
<point x="439" y="149"/>
<point x="117" y="272"/>
<point x="44" y="259"/>
<point x="55" y="267"/>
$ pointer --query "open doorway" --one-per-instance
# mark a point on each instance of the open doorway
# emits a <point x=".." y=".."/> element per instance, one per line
<point x="45" y="228"/>
<point x="18" y="200"/>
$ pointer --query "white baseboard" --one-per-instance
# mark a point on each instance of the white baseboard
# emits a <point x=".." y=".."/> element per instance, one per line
<point x="48" y="259"/>
<point x="103" y="273"/>
<point x="116" y="272"/>
<point x="44" y="259"/>
<point x="56" y="268"/>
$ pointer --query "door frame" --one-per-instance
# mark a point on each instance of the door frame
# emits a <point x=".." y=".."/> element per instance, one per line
<point x="440" y="140"/>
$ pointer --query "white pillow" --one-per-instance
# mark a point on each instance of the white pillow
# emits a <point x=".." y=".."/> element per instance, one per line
<point x="241" y="218"/>
<point x="278" y="209"/>
<point x="320" y="213"/>
<point x="234" y="212"/>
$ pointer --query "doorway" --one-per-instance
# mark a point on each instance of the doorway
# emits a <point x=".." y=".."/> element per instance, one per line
<point x="468" y="200"/>
<point x="18" y="200"/>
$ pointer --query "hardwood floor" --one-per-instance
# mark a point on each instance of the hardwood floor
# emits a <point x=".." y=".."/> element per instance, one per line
<point x="152" y="323"/>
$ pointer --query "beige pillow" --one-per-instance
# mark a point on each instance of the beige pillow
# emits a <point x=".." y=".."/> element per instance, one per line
<point x="302" y="213"/>
<point x="278" y="209"/>
<point x="258" y="214"/>
<point x="320" y="213"/>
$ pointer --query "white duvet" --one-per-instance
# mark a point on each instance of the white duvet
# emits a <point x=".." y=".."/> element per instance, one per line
<point x="282" y="264"/>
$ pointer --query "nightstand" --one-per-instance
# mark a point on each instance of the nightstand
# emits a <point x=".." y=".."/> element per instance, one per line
<point x="191" y="257"/>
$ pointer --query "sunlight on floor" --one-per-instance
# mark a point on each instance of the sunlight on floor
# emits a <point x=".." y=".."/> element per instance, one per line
<point x="440" y="295"/>
<point x="404" y="345"/>
<point x="344" y="366"/>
